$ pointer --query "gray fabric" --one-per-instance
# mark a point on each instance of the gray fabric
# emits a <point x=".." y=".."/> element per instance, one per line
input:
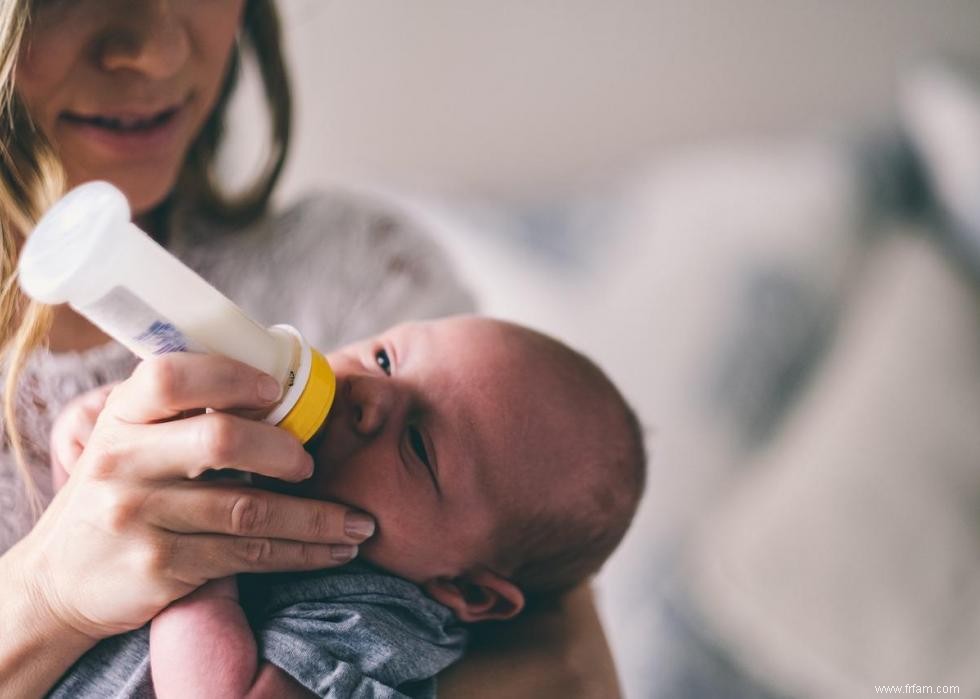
<point x="353" y="632"/>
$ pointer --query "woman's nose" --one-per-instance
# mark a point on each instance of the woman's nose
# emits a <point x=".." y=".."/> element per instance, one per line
<point x="371" y="401"/>
<point x="151" y="39"/>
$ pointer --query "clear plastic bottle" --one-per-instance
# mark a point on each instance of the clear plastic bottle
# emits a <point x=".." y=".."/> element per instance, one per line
<point x="86" y="252"/>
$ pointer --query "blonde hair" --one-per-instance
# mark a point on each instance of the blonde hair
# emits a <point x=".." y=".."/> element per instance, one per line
<point x="32" y="178"/>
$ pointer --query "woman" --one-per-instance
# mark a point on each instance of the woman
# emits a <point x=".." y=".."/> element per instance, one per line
<point x="135" y="92"/>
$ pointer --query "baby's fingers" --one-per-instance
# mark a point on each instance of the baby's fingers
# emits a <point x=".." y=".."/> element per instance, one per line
<point x="72" y="428"/>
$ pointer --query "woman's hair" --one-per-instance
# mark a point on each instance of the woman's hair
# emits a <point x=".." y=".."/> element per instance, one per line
<point x="32" y="178"/>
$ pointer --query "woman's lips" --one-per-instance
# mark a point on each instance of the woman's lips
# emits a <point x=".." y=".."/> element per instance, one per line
<point x="128" y="134"/>
<point x="125" y="121"/>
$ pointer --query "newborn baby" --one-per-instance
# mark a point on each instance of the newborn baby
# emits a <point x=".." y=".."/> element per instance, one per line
<point x="500" y="467"/>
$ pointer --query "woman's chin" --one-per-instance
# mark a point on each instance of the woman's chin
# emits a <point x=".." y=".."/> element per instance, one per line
<point x="144" y="198"/>
<point x="145" y="188"/>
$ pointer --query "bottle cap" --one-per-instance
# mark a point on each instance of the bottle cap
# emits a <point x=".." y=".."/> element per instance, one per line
<point x="310" y="410"/>
<point x="308" y="393"/>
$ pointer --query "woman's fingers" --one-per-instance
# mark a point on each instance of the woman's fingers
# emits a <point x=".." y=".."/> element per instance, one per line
<point x="240" y="511"/>
<point x="188" y="447"/>
<point x="199" y="557"/>
<point x="164" y="387"/>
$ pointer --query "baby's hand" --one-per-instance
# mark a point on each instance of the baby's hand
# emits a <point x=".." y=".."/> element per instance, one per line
<point x="71" y="431"/>
<point x="219" y="588"/>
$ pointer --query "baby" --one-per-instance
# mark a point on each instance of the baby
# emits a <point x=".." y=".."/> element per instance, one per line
<point x="500" y="467"/>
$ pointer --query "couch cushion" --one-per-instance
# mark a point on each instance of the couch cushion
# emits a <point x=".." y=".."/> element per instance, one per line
<point x="851" y="555"/>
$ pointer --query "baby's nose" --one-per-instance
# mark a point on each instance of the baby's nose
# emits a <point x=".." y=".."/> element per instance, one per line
<point x="371" y="401"/>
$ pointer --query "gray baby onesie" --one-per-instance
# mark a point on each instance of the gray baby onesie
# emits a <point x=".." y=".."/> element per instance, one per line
<point x="350" y="632"/>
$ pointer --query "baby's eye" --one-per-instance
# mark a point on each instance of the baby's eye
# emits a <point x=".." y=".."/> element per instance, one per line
<point x="381" y="357"/>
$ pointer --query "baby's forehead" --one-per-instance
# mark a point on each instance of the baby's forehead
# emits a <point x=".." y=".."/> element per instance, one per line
<point x="466" y="345"/>
<point x="524" y="369"/>
<point x="453" y="329"/>
<point x="520" y="378"/>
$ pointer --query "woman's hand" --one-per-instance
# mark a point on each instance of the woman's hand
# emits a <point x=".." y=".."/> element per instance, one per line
<point x="130" y="531"/>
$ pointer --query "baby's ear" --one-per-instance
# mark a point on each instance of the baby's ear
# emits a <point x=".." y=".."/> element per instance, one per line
<point x="477" y="596"/>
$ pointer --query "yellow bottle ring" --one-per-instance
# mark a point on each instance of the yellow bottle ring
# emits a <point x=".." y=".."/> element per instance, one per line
<point x="310" y="412"/>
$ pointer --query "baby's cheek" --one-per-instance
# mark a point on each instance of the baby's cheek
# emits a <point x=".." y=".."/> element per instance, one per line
<point x="403" y="547"/>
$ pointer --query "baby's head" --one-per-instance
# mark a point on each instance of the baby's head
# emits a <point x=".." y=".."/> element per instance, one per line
<point x="497" y="462"/>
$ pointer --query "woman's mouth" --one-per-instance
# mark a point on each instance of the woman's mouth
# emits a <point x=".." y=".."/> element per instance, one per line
<point x="123" y="123"/>
<point x="127" y="134"/>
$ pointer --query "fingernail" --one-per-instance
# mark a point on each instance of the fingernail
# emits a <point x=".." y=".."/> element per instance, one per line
<point x="268" y="389"/>
<point x="358" y="525"/>
<point x="343" y="553"/>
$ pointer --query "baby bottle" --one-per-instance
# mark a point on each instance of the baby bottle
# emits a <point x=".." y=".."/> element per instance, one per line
<point x="87" y="253"/>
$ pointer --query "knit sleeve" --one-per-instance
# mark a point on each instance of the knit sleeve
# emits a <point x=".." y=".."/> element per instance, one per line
<point x="337" y="266"/>
<point x="383" y="268"/>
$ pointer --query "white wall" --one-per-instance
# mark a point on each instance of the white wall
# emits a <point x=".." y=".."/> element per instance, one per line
<point x="509" y="98"/>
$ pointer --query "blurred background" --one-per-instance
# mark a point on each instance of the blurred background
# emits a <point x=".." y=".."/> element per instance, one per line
<point x="762" y="219"/>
